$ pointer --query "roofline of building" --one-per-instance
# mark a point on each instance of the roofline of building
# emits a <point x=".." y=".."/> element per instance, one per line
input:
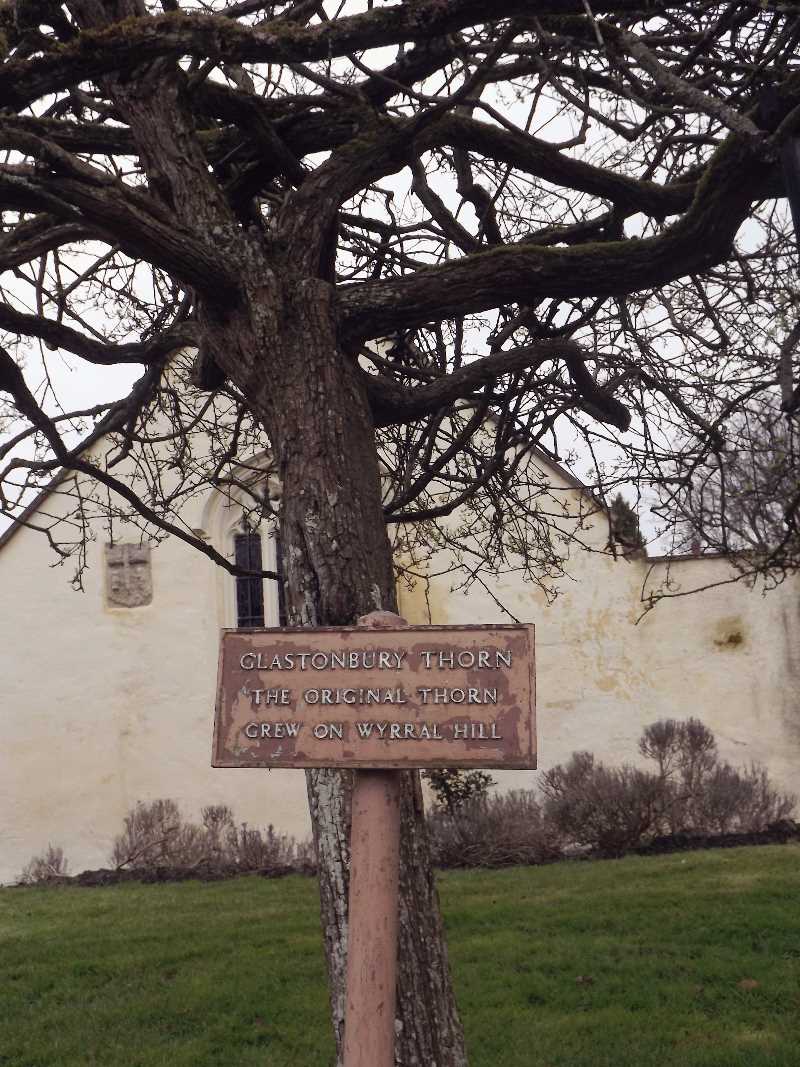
<point x="21" y="522"/>
<point x="685" y="556"/>
<point x="568" y="476"/>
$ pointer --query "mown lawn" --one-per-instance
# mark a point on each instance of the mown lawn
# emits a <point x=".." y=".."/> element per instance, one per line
<point x="689" y="960"/>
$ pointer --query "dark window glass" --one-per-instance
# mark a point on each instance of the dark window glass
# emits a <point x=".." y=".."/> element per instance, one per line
<point x="249" y="591"/>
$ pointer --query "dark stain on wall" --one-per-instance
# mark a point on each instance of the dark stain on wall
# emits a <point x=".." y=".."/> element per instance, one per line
<point x="729" y="633"/>
<point x="732" y="640"/>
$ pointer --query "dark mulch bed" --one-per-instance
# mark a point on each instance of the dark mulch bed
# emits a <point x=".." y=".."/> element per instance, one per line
<point x="779" y="833"/>
<point x="207" y="873"/>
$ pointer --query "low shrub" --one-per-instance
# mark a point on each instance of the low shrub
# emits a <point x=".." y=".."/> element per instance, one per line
<point x="155" y="835"/>
<point x="492" y="831"/>
<point x="608" y="809"/>
<point x="739" y="801"/>
<point x="51" y="866"/>
<point x="612" y="810"/>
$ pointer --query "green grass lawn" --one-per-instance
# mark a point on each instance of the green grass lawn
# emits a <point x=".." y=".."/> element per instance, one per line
<point x="681" y="960"/>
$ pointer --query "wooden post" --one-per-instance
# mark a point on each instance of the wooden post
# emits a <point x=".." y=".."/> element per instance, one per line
<point x="372" y="925"/>
<point x="373" y="907"/>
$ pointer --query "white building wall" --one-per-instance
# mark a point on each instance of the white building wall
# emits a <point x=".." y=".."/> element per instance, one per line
<point x="728" y="656"/>
<point x="101" y="707"/>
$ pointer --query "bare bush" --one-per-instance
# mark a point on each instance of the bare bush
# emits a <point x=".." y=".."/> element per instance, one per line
<point x="740" y="801"/>
<point x="156" y="835"/>
<point x="677" y="745"/>
<point x="614" y="809"/>
<point x="609" y="809"/>
<point x="152" y="836"/>
<point x="686" y="754"/>
<point x="493" y="831"/>
<point x="256" y="850"/>
<point x="702" y="794"/>
<point x="49" y="867"/>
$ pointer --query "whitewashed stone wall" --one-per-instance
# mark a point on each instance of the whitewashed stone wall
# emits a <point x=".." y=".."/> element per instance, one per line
<point x="102" y="706"/>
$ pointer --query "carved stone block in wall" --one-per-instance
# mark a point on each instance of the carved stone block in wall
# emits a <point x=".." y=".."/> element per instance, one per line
<point x="129" y="579"/>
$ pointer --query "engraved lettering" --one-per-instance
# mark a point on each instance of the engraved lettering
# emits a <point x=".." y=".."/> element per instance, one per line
<point x="272" y="730"/>
<point x="466" y="658"/>
<point x="274" y="696"/>
<point x="324" y="730"/>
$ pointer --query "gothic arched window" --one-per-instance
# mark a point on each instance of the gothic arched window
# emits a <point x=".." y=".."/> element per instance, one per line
<point x="250" y="591"/>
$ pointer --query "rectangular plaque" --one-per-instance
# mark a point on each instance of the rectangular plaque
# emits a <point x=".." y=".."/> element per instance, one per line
<point x="427" y="696"/>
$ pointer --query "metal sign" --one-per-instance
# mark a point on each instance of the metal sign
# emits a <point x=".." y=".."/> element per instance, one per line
<point x="430" y="696"/>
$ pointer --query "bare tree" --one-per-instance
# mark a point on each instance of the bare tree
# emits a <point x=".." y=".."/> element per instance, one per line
<point x="742" y="501"/>
<point x="412" y="249"/>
